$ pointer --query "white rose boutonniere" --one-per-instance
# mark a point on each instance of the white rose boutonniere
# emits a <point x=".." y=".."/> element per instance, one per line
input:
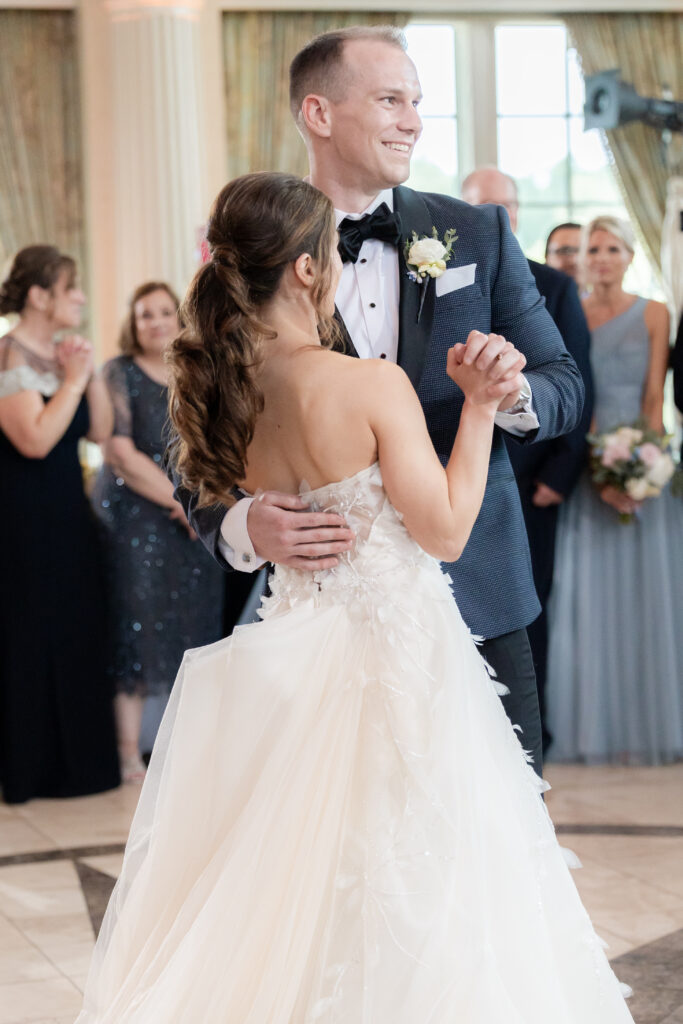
<point x="429" y="255"/>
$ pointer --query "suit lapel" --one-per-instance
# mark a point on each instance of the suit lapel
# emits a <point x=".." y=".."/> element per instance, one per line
<point x="416" y="301"/>
<point x="349" y="348"/>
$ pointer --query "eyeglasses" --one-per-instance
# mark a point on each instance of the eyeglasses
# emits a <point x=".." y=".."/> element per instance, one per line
<point x="564" y="250"/>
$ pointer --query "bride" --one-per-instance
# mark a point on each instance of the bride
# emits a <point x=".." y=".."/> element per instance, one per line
<point x="313" y="842"/>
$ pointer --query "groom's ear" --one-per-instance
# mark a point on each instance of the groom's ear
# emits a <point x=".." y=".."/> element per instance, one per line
<point x="316" y="115"/>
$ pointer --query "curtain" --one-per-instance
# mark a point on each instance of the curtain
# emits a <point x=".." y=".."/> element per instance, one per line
<point x="41" y="178"/>
<point x="648" y="48"/>
<point x="257" y="49"/>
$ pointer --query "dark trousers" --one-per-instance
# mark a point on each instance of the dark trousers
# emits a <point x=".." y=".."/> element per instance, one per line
<point x="541" y="528"/>
<point x="511" y="659"/>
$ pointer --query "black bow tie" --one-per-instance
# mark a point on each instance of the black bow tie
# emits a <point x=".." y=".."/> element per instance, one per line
<point x="381" y="223"/>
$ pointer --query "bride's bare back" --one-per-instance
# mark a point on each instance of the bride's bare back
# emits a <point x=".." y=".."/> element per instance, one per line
<point x="315" y="423"/>
<point x="328" y="416"/>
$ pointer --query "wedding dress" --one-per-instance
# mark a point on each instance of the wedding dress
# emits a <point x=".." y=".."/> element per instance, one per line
<point x="339" y="825"/>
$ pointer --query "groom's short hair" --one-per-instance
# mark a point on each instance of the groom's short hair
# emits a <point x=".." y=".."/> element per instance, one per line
<point x="319" y="66"/>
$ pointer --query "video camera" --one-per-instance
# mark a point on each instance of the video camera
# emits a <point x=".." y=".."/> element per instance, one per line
<point x="611" y="102"/>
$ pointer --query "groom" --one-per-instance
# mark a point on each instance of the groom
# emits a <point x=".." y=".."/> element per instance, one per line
<point x="354" y="94"/>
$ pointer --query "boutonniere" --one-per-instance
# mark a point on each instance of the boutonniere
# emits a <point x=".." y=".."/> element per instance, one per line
<point x="428" y="255"/>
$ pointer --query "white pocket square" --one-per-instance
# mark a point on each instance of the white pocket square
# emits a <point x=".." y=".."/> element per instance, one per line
<point x="456" y="277"/>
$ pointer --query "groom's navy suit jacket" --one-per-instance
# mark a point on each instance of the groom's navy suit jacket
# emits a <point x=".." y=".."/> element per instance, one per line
<point x="492" y="581"/>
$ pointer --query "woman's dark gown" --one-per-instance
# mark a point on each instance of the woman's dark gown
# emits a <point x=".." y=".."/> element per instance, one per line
<point x="57" y="736"/>
<point x="165" y="590"/>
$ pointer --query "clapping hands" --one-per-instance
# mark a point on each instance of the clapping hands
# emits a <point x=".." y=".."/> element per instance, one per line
<point x="75" y="356"/>
<point x="488" y="369"/>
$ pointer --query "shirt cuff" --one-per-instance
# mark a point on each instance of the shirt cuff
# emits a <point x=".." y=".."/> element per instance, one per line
<point x="521" y="418"/>
<point x="234" y="542"/>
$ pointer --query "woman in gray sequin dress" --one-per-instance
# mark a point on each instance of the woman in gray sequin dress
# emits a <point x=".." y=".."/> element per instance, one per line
<point x="166" y="592"/>
<point x="615" y="681"/>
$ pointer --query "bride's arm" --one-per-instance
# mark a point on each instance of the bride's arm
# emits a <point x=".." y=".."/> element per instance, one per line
<point x="439" y="507"/>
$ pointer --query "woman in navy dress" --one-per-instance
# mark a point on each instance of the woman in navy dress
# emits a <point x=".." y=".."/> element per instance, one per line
<point x="56" y="716"/>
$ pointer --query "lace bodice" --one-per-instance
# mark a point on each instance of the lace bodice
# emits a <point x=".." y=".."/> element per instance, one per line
<point x="383" y="548"/>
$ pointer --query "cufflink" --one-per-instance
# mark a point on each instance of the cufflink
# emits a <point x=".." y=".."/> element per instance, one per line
<point x="246" y="558"/>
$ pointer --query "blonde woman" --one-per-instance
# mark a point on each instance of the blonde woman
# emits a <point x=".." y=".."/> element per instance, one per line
<point x="615" y="687"/>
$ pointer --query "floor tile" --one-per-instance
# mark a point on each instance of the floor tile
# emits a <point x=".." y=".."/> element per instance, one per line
<point x="30" y="1001"/>
<point x="66" y="941"/>
<point x="617" y="945"/>
<point x="626" y="906"/>
<point x="108" y="864"/>
<point x="86" y="821"/>
<point x="657" y="862"/>
<point x="20" y="961"/>
<point x="40" y="890"/>
<point x="20" y="836"/>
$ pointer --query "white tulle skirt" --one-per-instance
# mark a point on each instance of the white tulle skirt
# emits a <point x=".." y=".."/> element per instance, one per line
<point x="339" y="825"/>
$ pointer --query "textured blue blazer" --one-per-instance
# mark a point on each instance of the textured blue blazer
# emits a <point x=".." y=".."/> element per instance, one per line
<point x="492" y="581"/>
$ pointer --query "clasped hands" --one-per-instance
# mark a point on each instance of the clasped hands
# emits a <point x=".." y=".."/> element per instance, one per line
<point x="76" y="357"/>
<point x="281" y="527"/>
<point x="499" y="364"/>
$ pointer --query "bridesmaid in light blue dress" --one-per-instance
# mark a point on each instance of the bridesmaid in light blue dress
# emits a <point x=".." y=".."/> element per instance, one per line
<point x="615" y="680"/>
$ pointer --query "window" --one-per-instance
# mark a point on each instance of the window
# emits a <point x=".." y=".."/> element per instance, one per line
<point x="532" y="128"/>
<point x="561" y="171"/>
<point x="435" y="162"/>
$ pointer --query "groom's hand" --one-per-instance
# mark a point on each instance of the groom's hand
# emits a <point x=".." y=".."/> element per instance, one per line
<point x="283" y="531"/>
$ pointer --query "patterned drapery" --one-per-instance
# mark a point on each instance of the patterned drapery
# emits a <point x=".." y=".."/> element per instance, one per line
<point x="648" y="48"/>
<point x="41" y="175"/>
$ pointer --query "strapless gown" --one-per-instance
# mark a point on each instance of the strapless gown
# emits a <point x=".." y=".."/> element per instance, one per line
<point x="340" y="826"/>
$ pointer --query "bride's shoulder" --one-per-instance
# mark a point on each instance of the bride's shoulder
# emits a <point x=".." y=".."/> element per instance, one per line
<point x="362" y="384"/>
<point x="383" y="375"/>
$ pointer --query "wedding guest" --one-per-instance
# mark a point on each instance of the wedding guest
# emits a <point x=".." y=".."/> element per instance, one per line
<point x="677" y="366"/>
<point x="562" y="249"/>
<point x="546" y="472"/>
<point x="56" y="719"/>
<point x="615" y="675"/>
<point x="166" y="593"/>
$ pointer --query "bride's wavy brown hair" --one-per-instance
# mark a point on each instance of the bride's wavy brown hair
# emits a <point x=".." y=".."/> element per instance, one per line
<point x="259" y="224"/>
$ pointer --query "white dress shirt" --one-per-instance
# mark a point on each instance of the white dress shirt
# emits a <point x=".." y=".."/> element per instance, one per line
<point x="367" y="298"/>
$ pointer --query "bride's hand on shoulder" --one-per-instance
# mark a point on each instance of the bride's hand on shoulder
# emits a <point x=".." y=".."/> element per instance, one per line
<point x="486" y="369"/>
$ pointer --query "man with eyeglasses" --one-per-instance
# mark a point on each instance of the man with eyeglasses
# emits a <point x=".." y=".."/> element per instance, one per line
<point x="546" y="472"/>
<point x="562" y="249"/>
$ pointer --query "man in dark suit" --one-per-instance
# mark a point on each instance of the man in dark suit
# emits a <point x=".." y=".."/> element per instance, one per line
<point x="546" y="472"/>
<point x="354" y="95"/>
<point x="677" y="367"/>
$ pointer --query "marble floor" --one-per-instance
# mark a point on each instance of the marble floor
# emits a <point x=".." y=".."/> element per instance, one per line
<point x="59" y="859"/>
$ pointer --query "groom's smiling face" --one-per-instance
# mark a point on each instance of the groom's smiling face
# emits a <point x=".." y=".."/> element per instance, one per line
<point x="374" y="126"/>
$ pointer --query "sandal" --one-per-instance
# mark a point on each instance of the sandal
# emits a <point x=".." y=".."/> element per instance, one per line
<point x="133" y="770"/>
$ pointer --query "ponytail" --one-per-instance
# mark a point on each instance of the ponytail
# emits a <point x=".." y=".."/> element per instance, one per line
<point x="259" y="224"/>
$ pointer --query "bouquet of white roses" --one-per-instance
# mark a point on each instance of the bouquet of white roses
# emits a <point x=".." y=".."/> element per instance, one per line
<point x="633" y="459"/>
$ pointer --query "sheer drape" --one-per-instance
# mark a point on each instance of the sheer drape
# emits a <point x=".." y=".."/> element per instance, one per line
<point x="649" y="50"/>
<point x="257" y="50"/>
<point x="41" y="185"/>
